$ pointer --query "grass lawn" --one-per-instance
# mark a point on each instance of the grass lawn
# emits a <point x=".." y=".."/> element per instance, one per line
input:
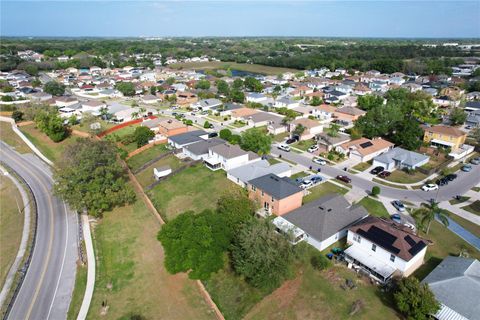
<point x="401" y="176"/>
<point x="473" y="207"/>
<point x="374" y="207"/>
<point x="215" y="118"/>
<point x="304" y="144"/>
<point x="12" y="139"/>
<point x="476" y="189"/>
<point x="145" y="177"/>
<point x="323" y="189"/>
<point x="196" y="188"/>
<point x="391" y="185"/>
<point x="281" y="137"/>
<point x="124" y="131"/>
<point x="11" y="225"/>
<point x="52" y="150"/>
<point x="143" y="157"/>
<point x="130" y="274"/>
<point x="273" y="161"/>
<point x="255" y="68"/>
<point x="362" y="166"/>
<point x="445" y="243"/>
<point x="462" y="199"/>
<point x="84" y="127"/>
<point x="317" y="295"/>
<point x="238" y="124"/>
<point x="78" y="292"/>
<point x="298" y="175"/>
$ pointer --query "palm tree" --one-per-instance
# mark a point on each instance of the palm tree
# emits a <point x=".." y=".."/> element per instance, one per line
<point x="135" y="115"/>
<point x="333" y="130"/>
<point x="427" y="212"/>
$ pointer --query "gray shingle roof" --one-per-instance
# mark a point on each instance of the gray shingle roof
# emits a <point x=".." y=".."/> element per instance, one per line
<point x="275" y="186"/>
<point x="201" y="147"/>
<point x="228" y="151"/>
<point x="456" y="284"/>
<point x="257" y="169"/>
<point x="326" y="216"/>
<point x="406" y="157"/>
<point x="187" y="137"/>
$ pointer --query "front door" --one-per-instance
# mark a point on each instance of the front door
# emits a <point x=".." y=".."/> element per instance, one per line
<point x="266" y="206"/>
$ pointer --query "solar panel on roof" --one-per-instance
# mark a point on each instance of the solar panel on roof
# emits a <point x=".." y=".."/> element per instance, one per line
<point x="380" y="237"/>
<point x="417" y="248"/>
<point x="366" y="144"/>
<point x="410" y="241"/>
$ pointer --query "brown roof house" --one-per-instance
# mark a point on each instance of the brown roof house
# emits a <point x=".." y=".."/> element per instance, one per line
<point x="311" y="128"/>
<point x="364" y="149"/>
<point x="384" y="249"/>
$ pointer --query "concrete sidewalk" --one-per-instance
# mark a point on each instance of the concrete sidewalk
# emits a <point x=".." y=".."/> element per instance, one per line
<point x="463" y="233"/>
<point x="460" y="212"/>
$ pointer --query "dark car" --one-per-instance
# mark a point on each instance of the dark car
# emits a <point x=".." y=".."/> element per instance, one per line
<point x="451" y="177"/>
<point x="344" y="179"/>
<point x="290" y="141"/>
<point x="212" y="135"/>
<point x="377" y="170"/>
<point x="384" y="174"/>
<point x="316" y="179"/>
<point x="442" y="182"/>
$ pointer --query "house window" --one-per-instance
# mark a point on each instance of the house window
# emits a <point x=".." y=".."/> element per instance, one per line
<point x="392" y="258"/>
<point x="374" y="247"/>
<point x="253" y="188"/>
<point x="357" y="238"/>
<point x="262" y="193"/>
<point x="273" y="200"/>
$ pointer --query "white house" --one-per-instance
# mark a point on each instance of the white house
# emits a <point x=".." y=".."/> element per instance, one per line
<point x="286" y="102"/>
<point x="199" y="150"/>
<point x="400" y="158"/>
<point x="93" y="106"/>
<point x="206" y="104"/>
<point x="241" y="175"/>
<point x="255" y="97"/>
<point x="227" y="156"/>
<point x="383" y="248"/>
<point x="326" y="220"/>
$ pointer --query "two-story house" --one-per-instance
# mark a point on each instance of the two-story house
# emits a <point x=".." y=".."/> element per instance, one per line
<point x="383" y="249"/>
<point x="227" y="156"/>
<point x="311" y="128"/>
<point x="444" y="136"/>
<point x="275" y="195"/>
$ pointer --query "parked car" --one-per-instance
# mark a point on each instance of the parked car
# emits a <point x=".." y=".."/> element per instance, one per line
<point x="212" y="135"/>
<point x="313" y="148"/>
<point x="451" y="177"/>
<point x="344" y="179"/>
<point x="398" y="205"/>
<point x="174" y="114"/>
<point x="319" y="161"/>
<point x="284" y="147"/>
<point x="475" y="160"/>
<point x="377" y="170"/>
<point x="384" y="174"/>
<point x="306" y="183"/>
<point x="430" y="187"/>
<point x="174" y="107"/>
<point x="467" y="168"/>
<point x="442" y="182"/>
<point x="396" y="218"/>
<point x="290" y="141"/>
<point x="193" y="113"/>
<point x="316" y="179"/>
<point x="204" y="112"/>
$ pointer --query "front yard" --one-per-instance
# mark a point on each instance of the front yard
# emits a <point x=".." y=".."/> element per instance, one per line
<point x="304" y="144"/>
<point x="321" y="190"/>
<point x="474" y="207"/>
<point x="362" y="166"/>
<point x="374" y="207"/>
<point x="401" y="176"/>
<point x="196" y="188"/>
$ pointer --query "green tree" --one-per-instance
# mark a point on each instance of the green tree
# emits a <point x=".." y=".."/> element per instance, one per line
<point x="170" y="81"/>
<point x="253" y="84"/>
<point x="415" y="300"/>
<point x="7" y="99"/>
<point x="264" y="257"/>
<point x="333" y="130"/>
<point x="237" y="84"/>
<point x="54" y="88"/>
<point x="143" y="135"/>
<point x="316" y="101"/>
<point x="222" y="87"/>
<point x="237" y="96"/>
<point x="458" y="116"/>
<point x="369" y="101"/>
<point x="89" y="177"/>
<point x="126" y="88"/>
<point x="202" y="84"/>
<point x="17" y="115"/>
<point x="50" y="123"/>
<point x="225" y="134"/>
<point x="206" y="125"/>
<point x="427" y="213"/>
<point x="408" y="134"/>
<point x="256" y="140"/>
<point x="320" y="262"/>
<point x="31" y="69"/>
<point x="375" y="191"/>
<point x="299" y="130"/>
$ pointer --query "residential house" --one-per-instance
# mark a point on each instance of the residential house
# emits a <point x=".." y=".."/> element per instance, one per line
<point x="400" y="158"/>
<point x="324" y="221"/>
<point x="65" y="101"/>
<point x="227" y="156"/>
<point x="347" y="115"/>
<point x="199" y="150"/>
<point x="456" y="286"/>
<point x="40" y="96"/>
<point x="473" y="119"/>
<point x="274" y="194"/>
<point x="150" y="99"/>
<point x="181" y="140"/>
<point x="171" y="127"/>
<point x="206" y="104"/>
<point x="444" y="136"/>
<point x="311" y="128"/>
<point x="93" y="106"/>
<point x="326" y="112"/>
<point x="327" y="142"/>
<point x="383" y="249"/>
<point x="286" y="102"/>
<point x="255" y="97"/>
<point x="242" y="175"/>
<point x="184" y="98"/>
<point x="227" y="108"/>
<point x="262" y="118"/>
<point x="242" y="113"/>
<point x="364" y="149"/>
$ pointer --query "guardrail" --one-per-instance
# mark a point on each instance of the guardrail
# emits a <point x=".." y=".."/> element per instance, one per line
<point x="23" y="270"/>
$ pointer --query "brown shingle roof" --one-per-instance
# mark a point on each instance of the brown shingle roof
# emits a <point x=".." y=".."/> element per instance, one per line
<point x="446" y="130"/>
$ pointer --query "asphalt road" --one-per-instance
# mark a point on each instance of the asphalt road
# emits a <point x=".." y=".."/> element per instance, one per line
<point x="464" y="182"/>
<point x="48" y="285"/>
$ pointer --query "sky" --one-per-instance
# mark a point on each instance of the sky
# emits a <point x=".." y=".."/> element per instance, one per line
<point x="177" y="18"/>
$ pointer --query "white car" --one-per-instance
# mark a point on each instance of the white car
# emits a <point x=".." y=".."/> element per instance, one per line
<point x="319" y="161"/>
<point x="306" y="183"/>
<point x="430" y="187"/>
<point x="313" y="148"/>
<point x="284" y="147"/>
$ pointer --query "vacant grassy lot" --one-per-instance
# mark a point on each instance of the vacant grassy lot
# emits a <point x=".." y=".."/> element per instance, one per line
<point x="374" y="207"/>
<point x="317" y="295"/>
<point x="84" y="127"/>
<point x="196" y="188"/>
<point x="474" y="207"/>
<point x="52" y="150"/>
<point x="145" y="177"/>
<point x="255" y="68"/>
<point x="11" y="224"/>
<point x="143" y="157"/>
<point x="323" y="189"/>
<point x="11" y="138"/>
<point x="444" y="243"/>
<point x="401" y="176"/>
<point x="130" y="273"/>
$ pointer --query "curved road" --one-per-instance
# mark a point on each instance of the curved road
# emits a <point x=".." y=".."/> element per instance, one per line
<point x="464" y="182"/>
<point x="48" y="285"/>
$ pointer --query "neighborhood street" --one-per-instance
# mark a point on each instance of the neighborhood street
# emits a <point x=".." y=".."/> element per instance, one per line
<point x="47" y="287"/>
